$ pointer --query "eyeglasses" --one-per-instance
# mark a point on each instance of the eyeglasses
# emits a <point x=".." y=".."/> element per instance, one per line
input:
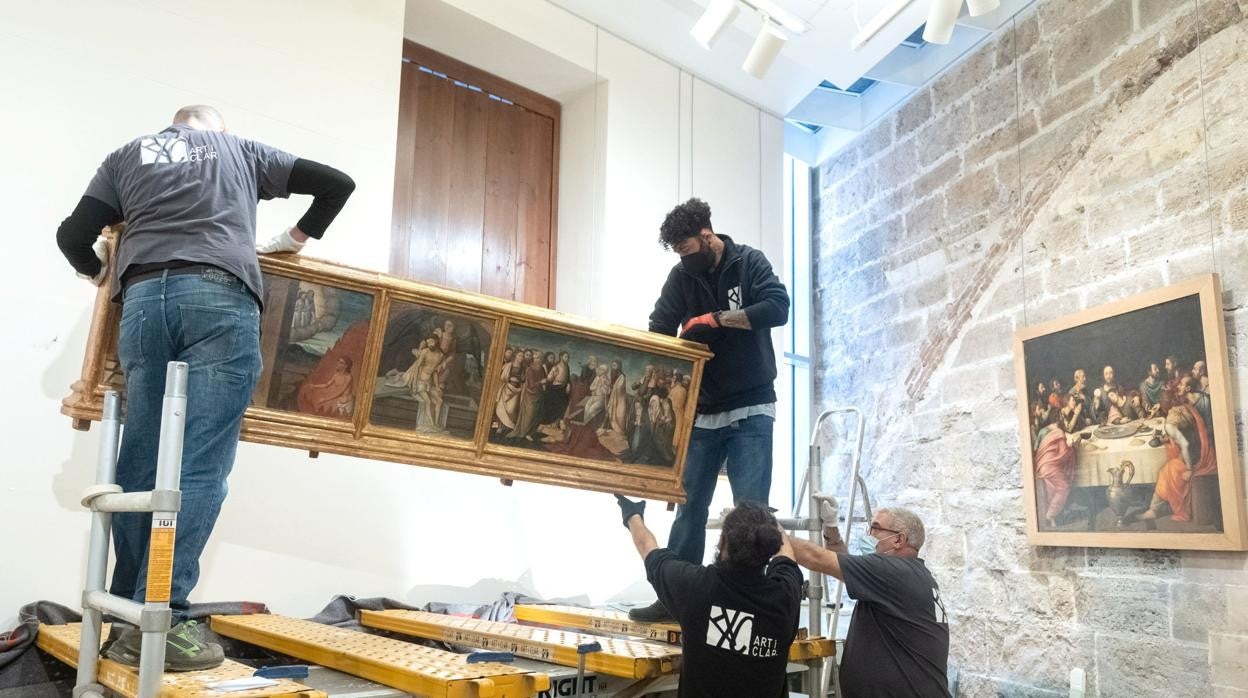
<point x="876" y="528"/>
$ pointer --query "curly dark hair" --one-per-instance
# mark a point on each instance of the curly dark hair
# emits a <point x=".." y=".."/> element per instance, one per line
<point x="751" y="535"/>
<point x="683" y="222"/>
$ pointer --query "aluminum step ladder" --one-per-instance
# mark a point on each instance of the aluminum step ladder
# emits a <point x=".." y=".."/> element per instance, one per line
<point x="105" y="498"/>
<point x="825" y="681"/>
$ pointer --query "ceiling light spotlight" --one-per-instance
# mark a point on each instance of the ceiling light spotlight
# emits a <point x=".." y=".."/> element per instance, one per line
<point x="718" y="17"/>
<point x="765" y="49"/>
<point x="981" y="7"/>
<point x="941" y="17"/>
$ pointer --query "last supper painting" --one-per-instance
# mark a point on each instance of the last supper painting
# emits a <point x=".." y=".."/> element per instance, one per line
<point x="1127" y="433"/>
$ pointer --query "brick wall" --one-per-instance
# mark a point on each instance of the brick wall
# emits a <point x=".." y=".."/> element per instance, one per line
<point x="1091" y="150"/>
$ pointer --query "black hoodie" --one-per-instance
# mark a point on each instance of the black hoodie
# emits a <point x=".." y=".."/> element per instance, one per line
<point x="743" y="370"/>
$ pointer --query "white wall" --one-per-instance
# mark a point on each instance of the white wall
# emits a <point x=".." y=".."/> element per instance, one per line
<point x="320" y="78"/>
<point x="316" y="77"/>
<point x="650" y="136"/>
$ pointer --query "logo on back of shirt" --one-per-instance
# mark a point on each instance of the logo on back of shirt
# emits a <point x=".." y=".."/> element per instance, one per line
<point x="734" y="631"/>
<point x="158" y="150"/>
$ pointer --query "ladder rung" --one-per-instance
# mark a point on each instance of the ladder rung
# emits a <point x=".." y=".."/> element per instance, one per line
<point x="125" y="609"/>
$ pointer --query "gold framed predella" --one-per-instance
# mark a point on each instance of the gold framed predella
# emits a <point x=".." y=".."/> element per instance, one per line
<point x="1126" y="425"/>
<point x="376" y="403"/>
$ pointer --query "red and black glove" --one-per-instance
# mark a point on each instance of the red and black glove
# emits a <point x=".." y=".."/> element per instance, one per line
<point x="700" y="329"/>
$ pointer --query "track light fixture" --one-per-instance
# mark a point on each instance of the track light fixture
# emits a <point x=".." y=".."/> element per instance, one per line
<point x="981" y="7"/>
<point x="718" y="16"/>
<point x="767" y="46"/>
<point x="941" y="16"/>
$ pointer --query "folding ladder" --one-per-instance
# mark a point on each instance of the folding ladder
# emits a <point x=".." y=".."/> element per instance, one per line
<point x="827" y="683"/>
<point x="105" y="498"/>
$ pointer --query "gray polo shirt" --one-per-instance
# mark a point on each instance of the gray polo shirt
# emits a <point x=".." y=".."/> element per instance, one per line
<point x="191" y="195"/>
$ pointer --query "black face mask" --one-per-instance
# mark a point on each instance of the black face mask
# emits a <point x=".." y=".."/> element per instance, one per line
<point x="698" y="262"/>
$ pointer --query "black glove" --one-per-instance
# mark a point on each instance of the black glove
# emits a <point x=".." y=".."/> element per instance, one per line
<point x="628" y="508"/>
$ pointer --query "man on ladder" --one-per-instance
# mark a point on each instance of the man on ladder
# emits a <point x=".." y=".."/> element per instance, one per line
<point x="187" y="273"/>
<point x="725" y="295"/>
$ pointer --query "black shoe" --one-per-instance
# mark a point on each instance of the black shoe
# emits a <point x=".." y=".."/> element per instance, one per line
<point x="185" y="649"/>
<point x="654" y="613"/>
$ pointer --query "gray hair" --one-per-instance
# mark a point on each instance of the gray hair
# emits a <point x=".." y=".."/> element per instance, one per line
<point x="909" y="523"/>
<point x="201" y="116"/>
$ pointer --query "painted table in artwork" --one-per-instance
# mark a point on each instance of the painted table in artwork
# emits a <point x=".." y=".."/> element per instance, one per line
<point x="365" y="364"/>
<point x="1096" y="453"/>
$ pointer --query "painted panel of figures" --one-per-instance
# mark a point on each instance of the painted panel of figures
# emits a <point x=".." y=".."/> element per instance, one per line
<point x="588" y="399"/>
<point x="431" y="371"/>
<point x="1122" y="426"/>
<point x="313" y="338"/>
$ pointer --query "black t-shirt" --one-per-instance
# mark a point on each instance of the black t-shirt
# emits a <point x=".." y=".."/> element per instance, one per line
<point x="898" y="641"/>
<point x="736" y="625"/>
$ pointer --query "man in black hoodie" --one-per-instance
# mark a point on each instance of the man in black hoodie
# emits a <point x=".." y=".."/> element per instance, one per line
<point x="725" y="295"/>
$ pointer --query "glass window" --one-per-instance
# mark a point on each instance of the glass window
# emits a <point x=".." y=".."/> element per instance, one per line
<point x="795" y="366"/>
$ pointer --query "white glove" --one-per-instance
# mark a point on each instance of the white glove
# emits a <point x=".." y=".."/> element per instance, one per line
<point x="100" y="247"/>
<point x="829" y="512"/>
<point x="283" y="242"/>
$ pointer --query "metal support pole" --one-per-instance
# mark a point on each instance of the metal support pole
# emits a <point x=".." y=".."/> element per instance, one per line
<point x="164" y="531"/>
<point x="814" y="478"/>
<point x="97" y="550"/>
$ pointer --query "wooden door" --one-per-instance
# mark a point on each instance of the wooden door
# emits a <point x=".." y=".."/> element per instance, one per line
<point x="475" y="188"/>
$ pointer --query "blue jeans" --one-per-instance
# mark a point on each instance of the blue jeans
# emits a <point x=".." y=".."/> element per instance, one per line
<point x="212" y="322"/>
<point x="746" y="445"/>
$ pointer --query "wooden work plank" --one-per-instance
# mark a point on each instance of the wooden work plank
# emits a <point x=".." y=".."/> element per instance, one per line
<point x="803" y="649"/>
<point x="423" y="671"/>
<point x="62" y="641"/>
<point x="597" y="619"/>
<point x="625" y="658"/>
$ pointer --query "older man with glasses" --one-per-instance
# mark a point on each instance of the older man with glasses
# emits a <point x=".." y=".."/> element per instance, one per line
<point x="898" y="639"/>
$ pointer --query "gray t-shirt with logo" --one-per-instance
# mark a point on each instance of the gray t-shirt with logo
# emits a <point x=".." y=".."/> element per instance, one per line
<point x="189" y="195"/>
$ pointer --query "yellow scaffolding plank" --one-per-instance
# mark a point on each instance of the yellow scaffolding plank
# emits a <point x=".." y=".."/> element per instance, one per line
<point x="408" y="667"/>
<point x="61" y="641"/>
<point x="626" y="658"/>
<point x="601" y="620"/>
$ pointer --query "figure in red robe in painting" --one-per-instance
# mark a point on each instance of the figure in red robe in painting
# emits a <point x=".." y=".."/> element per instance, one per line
<point x="1189" y="454"/>
<point x="1053" y="461"/>
<point x="322" y="390"/>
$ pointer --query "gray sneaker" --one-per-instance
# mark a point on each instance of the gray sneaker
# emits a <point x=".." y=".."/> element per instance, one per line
<point x="185" y="648"/>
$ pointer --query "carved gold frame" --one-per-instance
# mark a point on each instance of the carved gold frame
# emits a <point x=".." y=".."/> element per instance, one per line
<point x="357" y="437"/>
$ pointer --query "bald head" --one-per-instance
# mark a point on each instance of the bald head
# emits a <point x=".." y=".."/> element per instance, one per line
<point x="200" y="117"/>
